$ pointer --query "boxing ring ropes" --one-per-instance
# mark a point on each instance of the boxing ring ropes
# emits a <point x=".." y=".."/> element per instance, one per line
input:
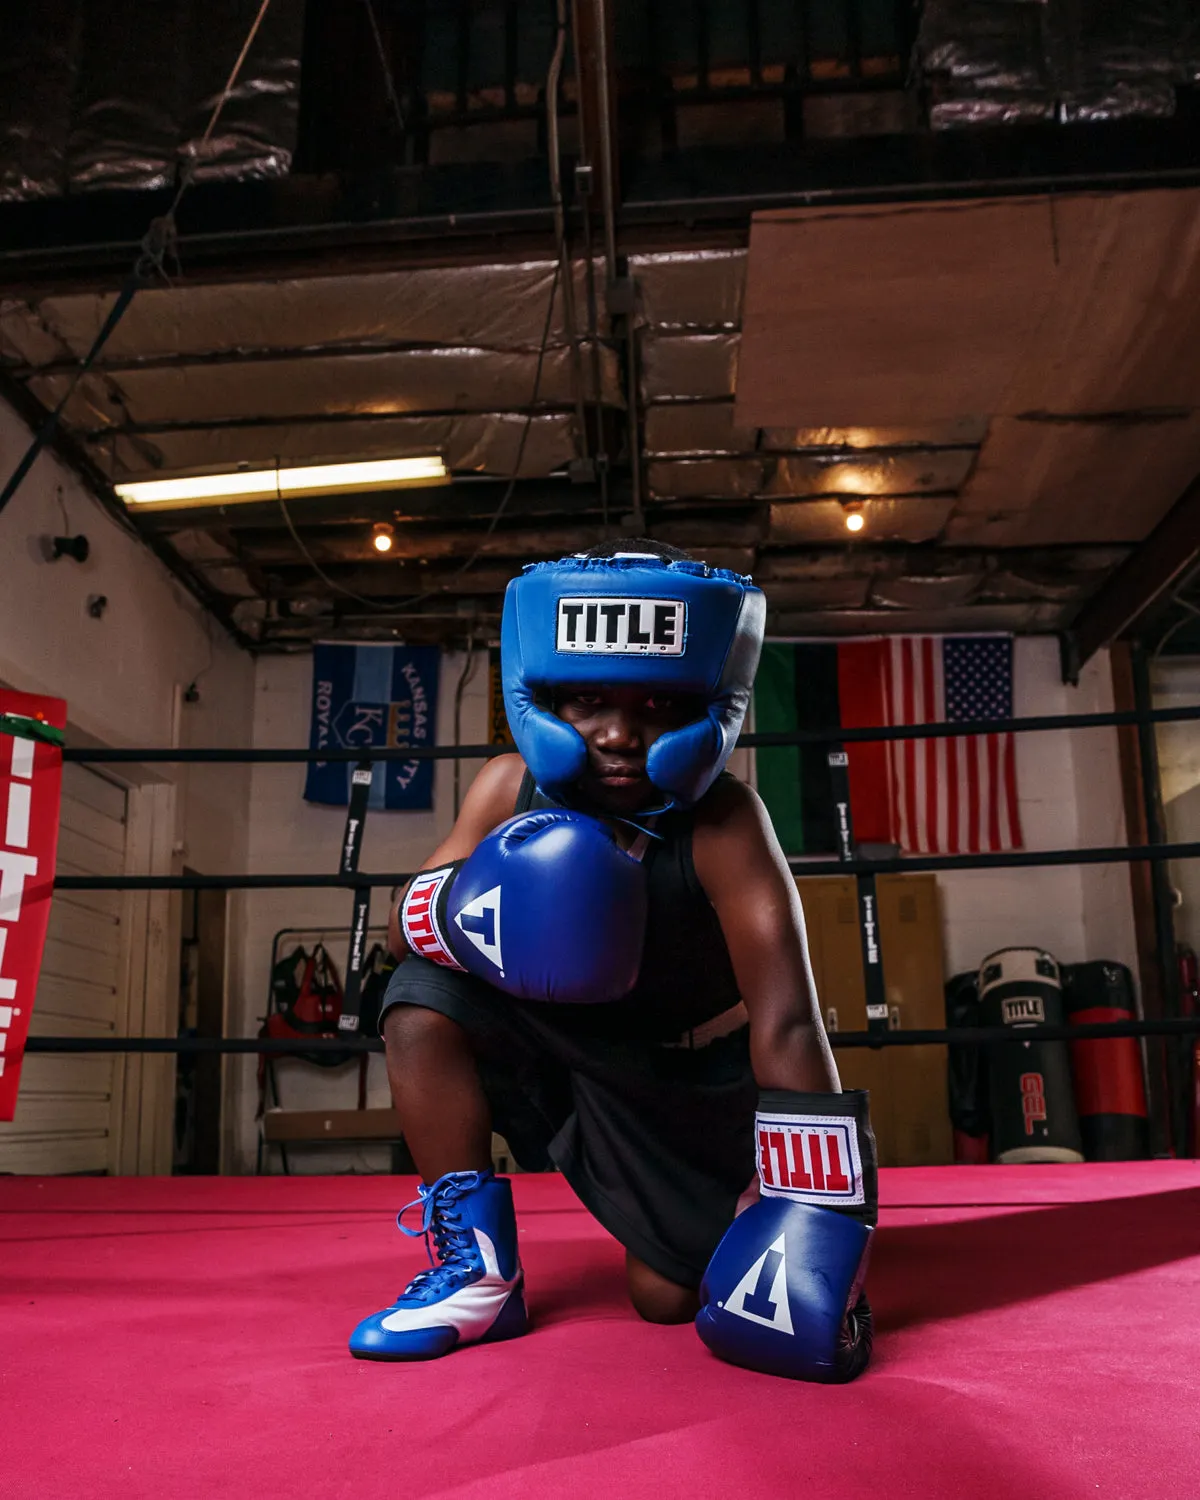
<point x="1035" y="1325"/>
<point x="359" y="883"/>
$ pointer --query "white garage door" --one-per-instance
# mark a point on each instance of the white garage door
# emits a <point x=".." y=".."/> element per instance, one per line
<point x="66" y="1109"/>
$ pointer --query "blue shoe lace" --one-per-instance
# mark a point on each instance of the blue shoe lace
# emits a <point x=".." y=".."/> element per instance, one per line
<point x="454" y="1241"/>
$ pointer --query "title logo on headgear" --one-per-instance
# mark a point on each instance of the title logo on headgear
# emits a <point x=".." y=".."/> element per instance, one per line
<point x="622" y="627"/>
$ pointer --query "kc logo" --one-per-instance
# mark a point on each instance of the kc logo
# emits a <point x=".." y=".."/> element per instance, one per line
<point x="622" y="627"/>
<point x="811" y="1158"/>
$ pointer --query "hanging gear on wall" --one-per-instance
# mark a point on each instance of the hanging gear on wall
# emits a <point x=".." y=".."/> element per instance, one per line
<point x="1032" y="1102"/>
<point x="377" y="969"/>
<point x="306" y="1001"/>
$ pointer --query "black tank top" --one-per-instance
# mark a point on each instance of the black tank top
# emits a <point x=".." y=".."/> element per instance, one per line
<point x="686" y="976"/>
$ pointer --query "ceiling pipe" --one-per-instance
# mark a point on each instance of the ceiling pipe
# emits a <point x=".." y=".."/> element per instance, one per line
<point x="566" y="272"/>
<point x="604" y="108"/>
<point x="619" y="289"/>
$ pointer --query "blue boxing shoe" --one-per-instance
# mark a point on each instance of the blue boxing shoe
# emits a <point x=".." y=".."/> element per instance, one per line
<point x="473" y="1293"/>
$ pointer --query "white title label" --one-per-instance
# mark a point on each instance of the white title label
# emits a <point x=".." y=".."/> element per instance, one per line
<point x="622" y="627"/>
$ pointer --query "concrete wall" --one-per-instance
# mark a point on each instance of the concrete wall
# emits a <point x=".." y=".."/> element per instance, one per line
<point x="1070" y="796"/>
<point x="124" y="674"/>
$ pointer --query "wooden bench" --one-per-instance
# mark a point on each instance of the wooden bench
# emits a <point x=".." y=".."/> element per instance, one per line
<point x="353" y="1127"/>
<point x="318" y="1127"/>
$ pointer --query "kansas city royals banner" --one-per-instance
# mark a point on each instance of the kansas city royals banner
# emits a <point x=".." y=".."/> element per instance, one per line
<point x="31" y="734"/>
<point x="364" y="696"/>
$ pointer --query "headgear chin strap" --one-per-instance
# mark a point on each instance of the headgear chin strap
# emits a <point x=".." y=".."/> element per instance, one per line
<point x="635" y="621"/>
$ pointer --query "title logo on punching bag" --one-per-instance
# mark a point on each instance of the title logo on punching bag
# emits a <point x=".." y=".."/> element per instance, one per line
<point x="1033" y="1100"/>
<point x="1023" y="1010"/>
<point x="622" y="627"/>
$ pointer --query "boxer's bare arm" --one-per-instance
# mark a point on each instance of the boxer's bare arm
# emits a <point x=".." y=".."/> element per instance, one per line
<point x="489" y="801"/>
<point x="746" y="877"/>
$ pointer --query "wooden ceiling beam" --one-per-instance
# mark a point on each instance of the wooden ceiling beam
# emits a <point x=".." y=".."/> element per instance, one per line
<point x="1150" y="575"/>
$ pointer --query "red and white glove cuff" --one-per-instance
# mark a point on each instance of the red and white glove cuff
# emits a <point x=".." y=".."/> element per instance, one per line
<point x="422" y="914"/>
<point x="817" y="1149"/>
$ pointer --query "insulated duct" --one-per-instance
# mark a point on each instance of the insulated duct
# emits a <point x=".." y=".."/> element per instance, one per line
<point x="1003" y="62"/>
<point x="114" y="94"/>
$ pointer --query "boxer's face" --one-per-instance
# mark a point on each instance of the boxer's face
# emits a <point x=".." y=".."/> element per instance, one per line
<point x="618" y="726"/>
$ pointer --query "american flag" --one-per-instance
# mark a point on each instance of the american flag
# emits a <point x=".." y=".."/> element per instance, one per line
<point x="952" y="796"/>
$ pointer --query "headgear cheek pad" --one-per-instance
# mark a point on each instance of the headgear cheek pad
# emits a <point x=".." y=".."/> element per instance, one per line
<point x="636" y="621"/>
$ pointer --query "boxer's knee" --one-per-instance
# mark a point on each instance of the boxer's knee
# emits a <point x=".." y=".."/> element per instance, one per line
<point x="657" y="1299"/>
<point x="408" y="1028"/>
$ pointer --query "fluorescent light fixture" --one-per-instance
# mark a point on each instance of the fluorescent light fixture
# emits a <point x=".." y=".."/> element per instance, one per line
<point x="265" y="484"/>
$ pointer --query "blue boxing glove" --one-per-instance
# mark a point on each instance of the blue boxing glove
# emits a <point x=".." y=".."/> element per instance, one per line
<point x="547" y="907"/>
<point x="783" y="1291"/>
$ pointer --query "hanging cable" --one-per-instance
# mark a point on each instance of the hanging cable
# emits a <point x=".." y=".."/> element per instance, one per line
<point x="399" y="604"/>
<point x="584" y="181"/>
<point x="372" y="604"/>
<point x="230" y="85"/>
<point x="389" y="82"/>
<point x="498" y="513"/>
<point x="157" y="243"/>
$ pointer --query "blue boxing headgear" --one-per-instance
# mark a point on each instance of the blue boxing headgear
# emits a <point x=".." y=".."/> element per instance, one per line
<point x="636" y="621"/>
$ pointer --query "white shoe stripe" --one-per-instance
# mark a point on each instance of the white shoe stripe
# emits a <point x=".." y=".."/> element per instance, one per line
<point x="472" y="1310"/>
<point x="487" y="1250"/>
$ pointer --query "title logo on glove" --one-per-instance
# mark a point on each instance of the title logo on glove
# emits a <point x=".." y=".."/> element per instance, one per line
<point x="419" y="917"/>
<point x="810" y="1158"/>
<point x="622" y="627"/>
<point x="479" y="923"/>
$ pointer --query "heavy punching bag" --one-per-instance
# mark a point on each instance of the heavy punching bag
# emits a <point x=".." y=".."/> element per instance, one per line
<point x="1110" y="1092"/>
<point x="970" y="1115"/>
<point x="1032" y="1102"/>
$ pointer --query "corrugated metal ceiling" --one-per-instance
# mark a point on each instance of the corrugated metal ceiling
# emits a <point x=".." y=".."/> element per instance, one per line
<point x="974" y="520"/>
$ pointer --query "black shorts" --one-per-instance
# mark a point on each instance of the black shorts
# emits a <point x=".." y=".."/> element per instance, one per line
<point x="658" y="1142"/>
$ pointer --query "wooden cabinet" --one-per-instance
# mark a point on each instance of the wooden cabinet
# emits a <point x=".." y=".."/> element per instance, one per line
<point x="909" y="1107"/>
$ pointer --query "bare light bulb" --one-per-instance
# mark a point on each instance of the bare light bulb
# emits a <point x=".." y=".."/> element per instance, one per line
<point x="382" y="537"/>
<point x="855" y="520"/>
